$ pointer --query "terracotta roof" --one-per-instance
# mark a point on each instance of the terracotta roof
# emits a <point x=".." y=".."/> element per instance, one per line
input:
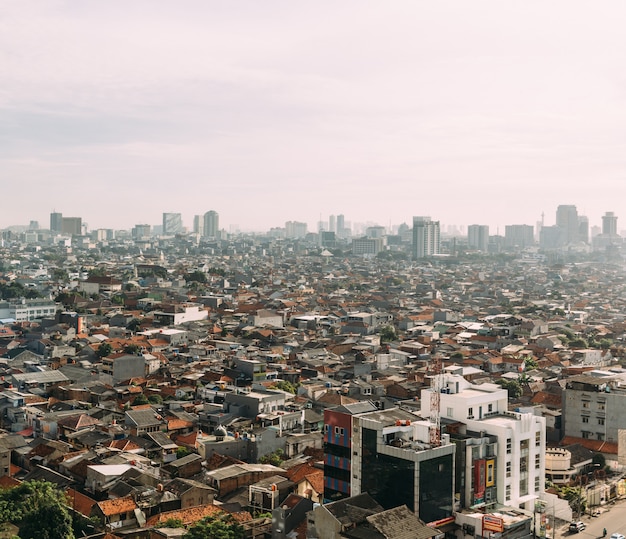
<point x="8" y="482"/>
<point x="175" y="423"/>
<point x="193" y="514"/>
<point x="81" y="503"/>
<point x="595" y="445"/>
<point x="117" y="506"/>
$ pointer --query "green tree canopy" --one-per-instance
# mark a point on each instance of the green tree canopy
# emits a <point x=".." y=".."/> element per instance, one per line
<point x="388" y="334"/>
<point x="104" y="350"/>
<point x="216" y="527"/>
<point x="39" y="509"/>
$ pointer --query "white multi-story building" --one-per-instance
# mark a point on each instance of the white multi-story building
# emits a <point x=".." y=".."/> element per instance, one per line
<point x="22" y="309"/>
<point x="426" y="237"/>
<point x="520" y="466"/>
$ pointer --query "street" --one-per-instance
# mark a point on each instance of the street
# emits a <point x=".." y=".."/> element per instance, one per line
<point x="612" y="517"/>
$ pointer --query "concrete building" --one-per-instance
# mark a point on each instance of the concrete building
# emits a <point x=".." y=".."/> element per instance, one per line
<point x="386" y="454"/>
<point x="22" y="309"/>
<point x="211" y="225"/>
<point x="519" y="461"/>
<point x="593" y="406"/>
<point x="56" y="222"/>
<point x="295" y="230"/>
<point x="518" y="236"/>
<point x="124" y="367"/>
<point x="567" y="220"/>
<point x="426" y="237"/>
<point x="478" y="237"/>
<point x="72" y="225"/>
<point x="367" y="246"/>
<point x="172" y="224"/>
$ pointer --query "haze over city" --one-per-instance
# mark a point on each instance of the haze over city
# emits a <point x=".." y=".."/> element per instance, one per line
<point x="488" y="112"/>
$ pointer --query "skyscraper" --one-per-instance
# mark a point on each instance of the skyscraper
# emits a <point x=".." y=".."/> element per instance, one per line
<point x="56" y="222"/>
<point x="567" y="220"/>
<point x="426" y="237"/>
<point x="609" y="224"/>
<point x="211" y="224"/>
<point x="478" y="237"/>
<point x="172" y="224"/>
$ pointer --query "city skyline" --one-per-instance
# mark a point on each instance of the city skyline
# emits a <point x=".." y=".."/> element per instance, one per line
<point x="377" y="112"/>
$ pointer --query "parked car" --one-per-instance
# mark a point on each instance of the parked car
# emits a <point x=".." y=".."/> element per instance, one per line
<point x="576" y="527"/>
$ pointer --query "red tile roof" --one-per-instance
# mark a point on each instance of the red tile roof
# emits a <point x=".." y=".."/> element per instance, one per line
<point x="117" y="506"/>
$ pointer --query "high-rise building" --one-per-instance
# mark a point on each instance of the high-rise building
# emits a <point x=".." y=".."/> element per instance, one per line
<point x="426" y="237"/>
<point x="583" y="228"/>
<point x="518" y="236"/>
<point x="198" y="224"/>
<point x="140" y="232"/>
<point x="387" y="454"/>
<point x="56" y="222"/>
<point x="518" y="472"/>
<point x="478" y="237"/>
<point x="211" y="224"/>
<point x="567" y="219"/>
<point x="172" y="224"/>
<point x="609" y="224"/>
<point x="295" y="229"/>
<point x="72" y="225"/>
<point x="332" y="223"/>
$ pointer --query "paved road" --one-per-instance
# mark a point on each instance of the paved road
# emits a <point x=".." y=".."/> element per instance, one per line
<point x="613" y="518"/>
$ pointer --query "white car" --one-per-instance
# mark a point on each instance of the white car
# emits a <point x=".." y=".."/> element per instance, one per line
<point x="617" y="536"/>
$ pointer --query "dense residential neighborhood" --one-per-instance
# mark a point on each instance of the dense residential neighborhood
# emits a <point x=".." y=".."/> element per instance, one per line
<point x="299" y="384"/>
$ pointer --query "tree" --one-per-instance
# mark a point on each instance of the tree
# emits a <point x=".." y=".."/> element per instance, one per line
<point x="155" y="399"/>
<point x="182" y="452"/>
<point x="134" y="324"/>
<point x="276" y="458"/>
<point x="196" y="276"/>
<point x="140" y="399"/>
<point x="283" y="385"/>
<point x="513" y="387"/>
<point x="39" y="509"/>
<point x="131" y="349"/>
<point x="104" y="350"/>
<point x="388" y="334"/>
<point x="216" y="527"/>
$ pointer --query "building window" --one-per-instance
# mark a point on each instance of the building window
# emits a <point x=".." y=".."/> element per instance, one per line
<point x="508" y="469"/>
<point x="585" y="419"/>
<point x="600" y="435"/>
<point x="490" y="408"/>
<point x="470" y="413"/>
<point x="490" y="480"/>
<point x="325" y="429"/>
<point x="585" y="404"/>
<point x="507" y="493"/>
<point x="601" y="405"/>
<point x="450" y="412"/>
<point x="585" y="434"/>
<point x="537" y="439"/>
<point x="523" y="487"/>
<point x="523" y="464"/>
<point x="600" y="421"/>
<point x="339" y="431"/>
<point x="508" y="446"/>
<point x="523" y="445"/>
<point x="537" y="484"/>
<point x="537" y="462"/>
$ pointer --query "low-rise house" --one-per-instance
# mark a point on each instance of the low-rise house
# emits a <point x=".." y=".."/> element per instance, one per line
<point x="144" y="421"/>
<point x="117" y="513"/>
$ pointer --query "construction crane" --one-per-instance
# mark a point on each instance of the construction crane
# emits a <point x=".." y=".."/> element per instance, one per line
<point x="436" y="383"/>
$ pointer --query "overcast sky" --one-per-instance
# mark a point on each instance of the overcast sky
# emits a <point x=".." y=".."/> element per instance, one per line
<point x="487" y="112"/>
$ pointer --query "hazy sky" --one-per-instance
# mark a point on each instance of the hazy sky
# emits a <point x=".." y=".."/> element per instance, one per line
<point x="483" y="112"/>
